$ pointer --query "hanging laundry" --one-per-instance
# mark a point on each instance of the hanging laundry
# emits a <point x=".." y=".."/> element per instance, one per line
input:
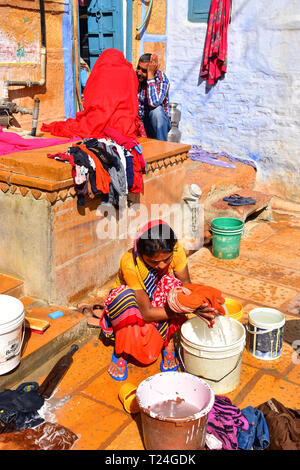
<point x="256" y="437"/>
<point x="87" y="167"/>
<point x="103" y="166"/>
<point x="118" y="151"/>
<point x="214" y="63"/>
<point x="102" y="176"/>
<point x="113" y="160"/>
<point x="224" y="420"/>
<point x="127" y="142"/>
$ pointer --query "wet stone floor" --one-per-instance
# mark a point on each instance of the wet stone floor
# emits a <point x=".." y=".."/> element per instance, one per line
<point x="267" y="273"/>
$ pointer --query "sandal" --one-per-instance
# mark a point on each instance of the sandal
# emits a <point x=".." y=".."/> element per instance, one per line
<point x="238" y="200"/>
<point x="89" y="310"/>
<point x="120" y="363"/>
<point x="169" y="356"/>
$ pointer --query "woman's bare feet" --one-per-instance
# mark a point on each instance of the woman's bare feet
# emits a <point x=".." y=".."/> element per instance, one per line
<point x="117" y="369"/>
<point x="170" y="360"/>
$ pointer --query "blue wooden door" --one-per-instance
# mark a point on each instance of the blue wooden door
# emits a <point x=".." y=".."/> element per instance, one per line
<point x="105" y="27"/>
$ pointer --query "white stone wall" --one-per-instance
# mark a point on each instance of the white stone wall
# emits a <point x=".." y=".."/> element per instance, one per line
<point x="254" y="111"/>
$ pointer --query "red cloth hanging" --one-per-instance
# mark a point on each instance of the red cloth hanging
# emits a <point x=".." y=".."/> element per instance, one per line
<point x="110" y="100"/>
<point x="215" y="50"/>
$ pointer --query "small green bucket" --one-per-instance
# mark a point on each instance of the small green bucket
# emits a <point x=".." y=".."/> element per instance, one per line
<point x="226" y="240"/>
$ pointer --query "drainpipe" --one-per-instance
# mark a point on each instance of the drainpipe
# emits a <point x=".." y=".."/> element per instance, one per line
<point x="192" y="217"/>
<point x="29" y="83"/>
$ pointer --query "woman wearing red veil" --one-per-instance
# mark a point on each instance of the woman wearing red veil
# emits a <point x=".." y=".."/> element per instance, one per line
<point x="110" y="100"/>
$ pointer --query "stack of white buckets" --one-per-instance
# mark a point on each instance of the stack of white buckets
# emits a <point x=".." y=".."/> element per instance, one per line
<point x="12" y="330"/>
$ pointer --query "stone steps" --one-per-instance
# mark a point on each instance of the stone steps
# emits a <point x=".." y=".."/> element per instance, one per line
<point x="11" y="286"/>
<point x="217" y="182"/>
<point x="262" y="207"/>
<point x="41" y="351"/>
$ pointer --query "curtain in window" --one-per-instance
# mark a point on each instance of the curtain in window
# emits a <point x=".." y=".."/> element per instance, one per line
<point x="214" y="63"/>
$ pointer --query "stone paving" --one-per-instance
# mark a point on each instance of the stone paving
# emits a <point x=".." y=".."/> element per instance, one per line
<point x="265" y="274"/>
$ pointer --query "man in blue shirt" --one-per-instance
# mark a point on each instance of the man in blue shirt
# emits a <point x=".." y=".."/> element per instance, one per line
<point x="153" y="95"/>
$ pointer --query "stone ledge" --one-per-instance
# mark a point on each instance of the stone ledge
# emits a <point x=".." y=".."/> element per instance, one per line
<point x="33" y="169"/>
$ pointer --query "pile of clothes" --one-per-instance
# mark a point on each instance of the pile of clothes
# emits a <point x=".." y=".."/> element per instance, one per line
<point x="270" y="426"/>
<point x="111" y="167"/>
<point x="22" y="427"/>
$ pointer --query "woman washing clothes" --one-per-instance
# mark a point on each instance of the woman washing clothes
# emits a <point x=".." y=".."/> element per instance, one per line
<point x="136" y="312"/>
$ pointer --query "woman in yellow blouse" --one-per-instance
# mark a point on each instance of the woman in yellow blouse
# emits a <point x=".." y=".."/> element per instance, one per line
<point x="136" y="313"/>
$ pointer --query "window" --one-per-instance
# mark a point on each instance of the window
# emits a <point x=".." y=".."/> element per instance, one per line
<point x="198" y="10"/>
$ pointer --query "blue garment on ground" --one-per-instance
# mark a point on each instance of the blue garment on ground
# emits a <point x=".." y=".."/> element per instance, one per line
<point x="257" y="435"/>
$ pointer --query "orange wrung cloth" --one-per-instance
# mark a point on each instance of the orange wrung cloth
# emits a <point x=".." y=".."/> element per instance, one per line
<point x="189" y="297"/>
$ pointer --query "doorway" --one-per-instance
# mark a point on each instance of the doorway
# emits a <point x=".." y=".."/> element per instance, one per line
<point x="100" y="28"/>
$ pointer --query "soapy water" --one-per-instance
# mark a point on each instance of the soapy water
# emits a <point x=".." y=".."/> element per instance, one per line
<point x="50" y="406"/>
<point x="221" y="334"/>
<point x="178" y="408"/>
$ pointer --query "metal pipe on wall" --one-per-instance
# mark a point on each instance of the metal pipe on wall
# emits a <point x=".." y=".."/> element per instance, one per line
<point x="29" y="83"/>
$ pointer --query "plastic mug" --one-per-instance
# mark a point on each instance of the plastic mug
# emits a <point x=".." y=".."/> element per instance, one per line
<point x="127" y="396"/>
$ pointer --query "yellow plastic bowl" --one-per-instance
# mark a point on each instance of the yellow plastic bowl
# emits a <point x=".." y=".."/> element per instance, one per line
<point x="234" y="308"/>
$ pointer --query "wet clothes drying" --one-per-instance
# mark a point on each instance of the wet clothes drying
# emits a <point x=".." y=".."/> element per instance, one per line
<point x="256" y="437"/>
<point x="11" y="142"/>
<point x="46" y="436"/>
<point x="283" y="424"/>
<point x="214" y="63"/>
<point x="139" y="162"/>
<point x="224" y="421"/>
<point x="21" y="406"/>
<point x="103" y="166"/>
<point x="113" y="160"/>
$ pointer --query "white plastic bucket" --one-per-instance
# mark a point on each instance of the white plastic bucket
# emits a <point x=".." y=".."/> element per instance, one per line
<point x="219" y="366"/>
<point x="265" y="333"/>
<point x="162" y="432"/>
<point x="12" y="329"/>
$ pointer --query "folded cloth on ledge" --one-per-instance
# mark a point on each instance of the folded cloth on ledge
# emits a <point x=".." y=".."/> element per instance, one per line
<point x="189" y="297"/>
<point x="11" y="142"/>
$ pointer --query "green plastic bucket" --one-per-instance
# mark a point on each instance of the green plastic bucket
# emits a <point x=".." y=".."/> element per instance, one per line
<point x="226" y="237"/>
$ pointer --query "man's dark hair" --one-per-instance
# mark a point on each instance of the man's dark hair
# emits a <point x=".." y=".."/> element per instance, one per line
<point x="145" y="58"/>
<point x="159" y="238"/>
